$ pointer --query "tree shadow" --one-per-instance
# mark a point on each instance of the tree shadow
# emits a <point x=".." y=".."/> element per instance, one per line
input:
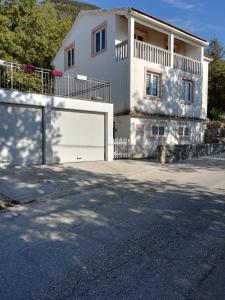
<point x="23" y="134"/>
<point x="110" y="236"/>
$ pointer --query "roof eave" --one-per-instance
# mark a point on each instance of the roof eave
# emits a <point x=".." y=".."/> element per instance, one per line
<point x="168" y="26"/>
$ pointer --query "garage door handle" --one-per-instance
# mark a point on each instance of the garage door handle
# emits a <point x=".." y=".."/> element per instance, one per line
<point x="79" y="157"/>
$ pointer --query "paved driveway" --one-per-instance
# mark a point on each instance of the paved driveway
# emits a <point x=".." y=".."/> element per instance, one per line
<point x="119" y="230"/>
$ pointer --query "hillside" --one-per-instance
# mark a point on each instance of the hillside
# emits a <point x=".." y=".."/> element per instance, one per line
<point x="70" y="7"/>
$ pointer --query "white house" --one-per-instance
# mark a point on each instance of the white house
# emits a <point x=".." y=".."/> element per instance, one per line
<point x="158" y="73"/>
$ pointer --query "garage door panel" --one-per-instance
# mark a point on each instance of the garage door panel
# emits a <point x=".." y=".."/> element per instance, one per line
<point x="20" y="135"/>
<point x="80" y="136"/>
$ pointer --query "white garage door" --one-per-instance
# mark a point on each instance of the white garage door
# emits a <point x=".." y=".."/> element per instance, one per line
<point x="20" y="135"/>
<point x="77" y="136"/>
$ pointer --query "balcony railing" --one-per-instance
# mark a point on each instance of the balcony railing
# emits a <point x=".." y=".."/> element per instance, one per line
<point x="151" y="53"/>
<point x="122" y="50"/>
<point x="159" y="56"/>
<point x="187" y="64"/>
<point x="43" y="81"/>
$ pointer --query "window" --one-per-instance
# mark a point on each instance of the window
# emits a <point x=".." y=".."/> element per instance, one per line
<point x="139" y="37"/>
<point x="99" y="39"/>
<point x="152" y="84"/>
<point x="158" y="130"/>
<point x="183" y="131"/>
<point x="187" y="86"/>
<point x="69" y="57"/>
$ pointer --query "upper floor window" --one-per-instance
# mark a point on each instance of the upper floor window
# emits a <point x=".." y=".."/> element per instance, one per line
<point x="187" y="92"/>
<point x="139" y="37"/>
<point x="69" y="58"/>
<point x="99" y="35"/>
<point x="152" y="84"/>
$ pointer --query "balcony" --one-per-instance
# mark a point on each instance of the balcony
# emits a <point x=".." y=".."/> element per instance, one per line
<point x="158" y="55"/>
<point x="27" y="78"/>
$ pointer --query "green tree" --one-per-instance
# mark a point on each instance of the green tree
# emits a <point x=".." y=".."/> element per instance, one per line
<point x="31" y="32"/>
<point x="216" y="103"/>
<point x="215" y="49"/>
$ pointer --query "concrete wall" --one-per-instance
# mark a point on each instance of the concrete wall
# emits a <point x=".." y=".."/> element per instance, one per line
<point x="47" y="104"/>
<point x="122" y="127"/>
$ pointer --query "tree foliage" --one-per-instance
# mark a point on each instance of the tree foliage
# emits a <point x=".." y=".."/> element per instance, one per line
<point x="216" y="104"/>
<point x="31" y="32"/>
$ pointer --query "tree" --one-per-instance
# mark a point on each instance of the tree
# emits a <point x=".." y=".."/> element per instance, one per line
<point x="31" y="32"/>
<point x="215" y="49"/>
<point x="216" y="103"/>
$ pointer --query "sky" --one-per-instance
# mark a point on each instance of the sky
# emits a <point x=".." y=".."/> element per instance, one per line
<point x="203" y="18"/>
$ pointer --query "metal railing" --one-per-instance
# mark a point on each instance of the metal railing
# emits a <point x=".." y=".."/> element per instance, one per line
<point x="43" y="81"/>
<point x="187" y="64"/>
<point x="151" y="53"/>
<point x="122" y="50"/>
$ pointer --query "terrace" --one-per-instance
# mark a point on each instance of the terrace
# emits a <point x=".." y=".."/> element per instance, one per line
<point x="156" y="47"/>
<point x="27" y="78"/>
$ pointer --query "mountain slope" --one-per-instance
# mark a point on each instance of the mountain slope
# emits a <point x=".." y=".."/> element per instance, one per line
<point x="70" y="7"/>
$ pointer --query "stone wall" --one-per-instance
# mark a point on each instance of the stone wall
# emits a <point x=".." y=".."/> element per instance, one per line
<point x="173" y="153"/>
<point x="215" y="132"/>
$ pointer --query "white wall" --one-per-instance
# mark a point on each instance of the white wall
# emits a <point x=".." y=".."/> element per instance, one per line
<point x="205" y="86"/>
<point x="171" y="92"/>
<point x="102" y="66"/>
<point x="48" y="103"/>
<point x="121" y="32"/>
<point x="144" y="145"/>
<point x="122" y="126"/>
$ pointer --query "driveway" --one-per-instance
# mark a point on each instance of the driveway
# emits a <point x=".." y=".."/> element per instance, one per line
<point x="118" y="230"/>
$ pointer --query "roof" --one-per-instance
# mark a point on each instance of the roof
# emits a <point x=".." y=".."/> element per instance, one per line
<point x="124" y="10"/>
<point x="168" y="24"/>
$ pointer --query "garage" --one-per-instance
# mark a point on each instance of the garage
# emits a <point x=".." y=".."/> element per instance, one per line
<point x="21" y="137"/>
<point x="77" y="136"/>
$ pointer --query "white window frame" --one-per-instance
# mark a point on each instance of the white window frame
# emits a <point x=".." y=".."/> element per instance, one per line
<point x="191" y="82"/>
<point x="182" y="130"/>
<point x="153" y="73"/>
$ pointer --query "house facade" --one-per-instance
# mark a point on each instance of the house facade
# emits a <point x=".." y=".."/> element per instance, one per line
<point x="158" y="74"/>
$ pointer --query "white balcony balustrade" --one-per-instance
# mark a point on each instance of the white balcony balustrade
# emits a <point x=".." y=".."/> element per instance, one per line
<point x="152" y="53"/>
<point x="122" y="50"/>
<point x="187" y="64"/>
<point x="157" y="55"/>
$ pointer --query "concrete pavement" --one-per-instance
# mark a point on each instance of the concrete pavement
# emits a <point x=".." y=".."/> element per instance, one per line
<point x="119" y="230"/>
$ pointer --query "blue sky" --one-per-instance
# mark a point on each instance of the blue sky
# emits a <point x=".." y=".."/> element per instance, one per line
<point x="204" y="18"/>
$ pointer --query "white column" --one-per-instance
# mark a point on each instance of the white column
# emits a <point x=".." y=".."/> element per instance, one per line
<point x="130" y="58"/>
<point x="171" y="48"/>
<point x="202" y="54"/>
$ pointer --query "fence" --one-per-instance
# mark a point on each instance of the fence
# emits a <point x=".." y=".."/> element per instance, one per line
<point x="27" y="78"/>
<point x="122" y="148"/>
